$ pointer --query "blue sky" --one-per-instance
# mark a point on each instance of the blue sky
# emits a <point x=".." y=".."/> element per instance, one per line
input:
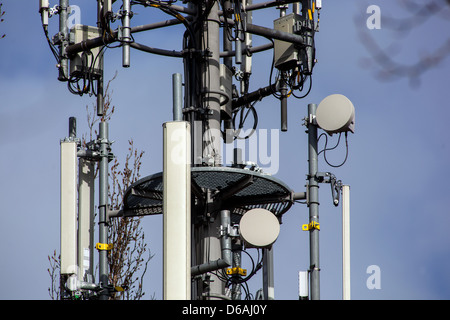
<point x="397" y="164"/>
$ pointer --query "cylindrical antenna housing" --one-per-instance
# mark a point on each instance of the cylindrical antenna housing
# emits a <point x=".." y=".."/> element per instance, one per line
<point x="72" y="128"/>
<point x="177" y="97"/>
<point x="303" y="285"/>
<point x="126" y="33"/>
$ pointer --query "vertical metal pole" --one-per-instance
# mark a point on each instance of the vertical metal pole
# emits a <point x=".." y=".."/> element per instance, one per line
<point x="246" y="66"/>
<point x="225" y="240"/>
<point x="284" y="88"/>
<point x="313" y="203"/>
<point x="308" y="58"/>
<point x="237" y="40"/>
<point x="177" y="97"/>
<point x="268" y="275"/>
<point x="100" y="101"/>
<point x="227" y="45"/>
<point x="238" y="49"/>
<point x="212" y="252"/>
<point x="283" y="92"/>
<point x="228" y="62"/>
<point x="237" y="261"/>
<point x="126" y="33"/>
<point x="208" y="240"/>
<point x="103" y="199"/>
<point x="211" y="85"/>
<point x="64" y="37"/>
<point x="346" y="242"/>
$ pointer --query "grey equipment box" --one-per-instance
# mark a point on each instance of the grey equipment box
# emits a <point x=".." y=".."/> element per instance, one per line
<point x="286" y="54"/>
<point x="85" y="62"/>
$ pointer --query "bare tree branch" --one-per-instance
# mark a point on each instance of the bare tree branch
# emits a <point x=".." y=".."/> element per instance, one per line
<point x="129" y="258"/>
<point x="382" y="58"/>
<point x="53" y="271"/>
<point x="2" y="13"/>
<point x="130" y="252"/>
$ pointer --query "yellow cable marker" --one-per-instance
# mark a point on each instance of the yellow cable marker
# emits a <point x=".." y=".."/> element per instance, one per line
<point x="310" y="14"/>
<point x="104" y="246"/>
<point x="180" y="17"/>
<point x="236" y="270"/>
<point x="311" y="225"/>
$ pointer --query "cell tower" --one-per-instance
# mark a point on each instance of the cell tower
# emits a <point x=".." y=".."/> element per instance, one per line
<point x="211" y="211"/>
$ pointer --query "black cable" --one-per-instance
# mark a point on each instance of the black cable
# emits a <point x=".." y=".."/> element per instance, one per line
<point x="346" y="152"/>
<point x="244" y="286"/>
<point x="220" y="275"/>
<point x="309" y="90"/>
<point x="239" y="25"/>
<point x="242" y="119"/>
<point x="165" y="7"/>
<point x="227" y="27"/>
<point x="86" y="75"/>
<point x="326" y="143"/>
<point x="255" y="268"/>
<point x="143" y="2"/>
<point x="271" y="72"/>
<point x="50" y="44"/>
<point x="274" y="92"/>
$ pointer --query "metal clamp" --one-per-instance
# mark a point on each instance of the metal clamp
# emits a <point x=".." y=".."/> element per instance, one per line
<point x="336" y="185"/>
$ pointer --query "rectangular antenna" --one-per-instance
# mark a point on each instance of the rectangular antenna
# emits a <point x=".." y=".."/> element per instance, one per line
<point x="68" y="207"/>
<point x="345" y="242"/>
<point x="86" y="219"/>
<point x="177" y="211"/>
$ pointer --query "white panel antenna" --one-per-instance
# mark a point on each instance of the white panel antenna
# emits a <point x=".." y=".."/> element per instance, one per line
<point x="176" y="211"/>
<point x="68" y="207"/>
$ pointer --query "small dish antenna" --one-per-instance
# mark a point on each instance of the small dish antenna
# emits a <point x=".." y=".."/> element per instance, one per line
<point x="259" y="228"/>
<point x="335" y="114"/>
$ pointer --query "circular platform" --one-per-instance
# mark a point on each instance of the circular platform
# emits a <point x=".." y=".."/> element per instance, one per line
<point x="235" y="189"/>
